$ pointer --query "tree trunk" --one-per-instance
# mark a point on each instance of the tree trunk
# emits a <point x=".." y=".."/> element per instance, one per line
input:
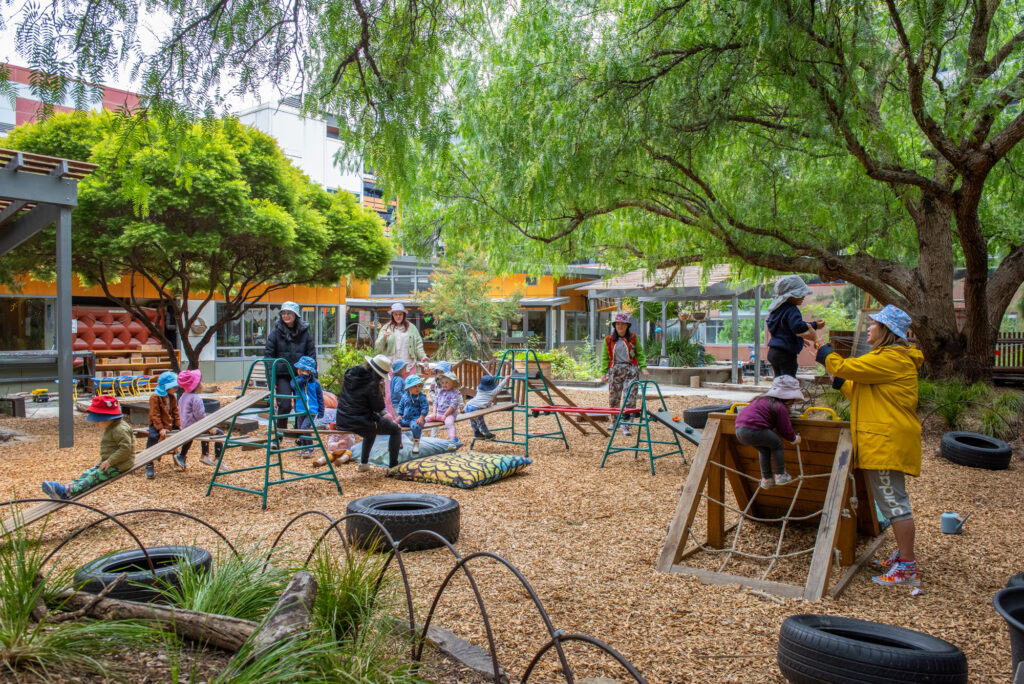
<point x="289" y="617"/>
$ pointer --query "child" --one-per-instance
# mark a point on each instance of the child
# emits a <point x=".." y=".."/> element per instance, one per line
<point x="758" y="421"/>
<point x="486" y="391"/>
<point x="787" y="326"/>
<point x="396" y="386"/>
<point x="307" y="386"/>
<point x="117" y="451"/>
<point x="163" y="414"/>
<point x="432" y="384"/>
<point x="882" y="388"/>
<point x="446" y="406"/>
<point x="413" y="410"/>
<point x="339" y="449"/>
<point x="191" y="409"/>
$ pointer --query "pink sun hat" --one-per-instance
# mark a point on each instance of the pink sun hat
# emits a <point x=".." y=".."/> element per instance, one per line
<point x="189" y="380"/>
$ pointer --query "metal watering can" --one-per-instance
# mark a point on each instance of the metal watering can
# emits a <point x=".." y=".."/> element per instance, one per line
<point x="952" y="523"/>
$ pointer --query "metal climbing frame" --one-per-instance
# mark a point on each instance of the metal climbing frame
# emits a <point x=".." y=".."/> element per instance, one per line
<point x="523" y="385"/>
<point x="640" y="419"/>
<point x="273" y="444"/>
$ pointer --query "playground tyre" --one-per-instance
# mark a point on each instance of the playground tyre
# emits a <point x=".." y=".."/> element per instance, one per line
<point x="975" y="450"/>
<point x="1016" y="581"/>
<point x="140" y="584"/>
<point x="814" y="649"/>
<point x="401" y="514"/>
<point x="698" y="416"/>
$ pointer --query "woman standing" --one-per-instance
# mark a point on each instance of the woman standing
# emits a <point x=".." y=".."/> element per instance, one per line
<point x="882" y="388"/>
<point x="623" y="359"/>
<point x="290" y="340"/>
<point x="399" y="339"/>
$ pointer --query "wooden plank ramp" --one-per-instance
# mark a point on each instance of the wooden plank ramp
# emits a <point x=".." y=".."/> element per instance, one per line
<point x="460" y="417"/>
<point x="172" y="442"/>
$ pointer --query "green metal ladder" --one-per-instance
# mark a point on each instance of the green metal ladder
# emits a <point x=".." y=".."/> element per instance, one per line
<point x="521" y="391"/>
<point x="273" y="444"/>
<point x="642" y="423"/>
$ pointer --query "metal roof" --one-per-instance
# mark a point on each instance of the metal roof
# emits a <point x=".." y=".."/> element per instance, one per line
<point x="689" y="283"/>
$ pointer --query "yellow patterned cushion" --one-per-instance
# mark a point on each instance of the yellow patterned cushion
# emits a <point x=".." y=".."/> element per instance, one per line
<point x="466" y="470"/>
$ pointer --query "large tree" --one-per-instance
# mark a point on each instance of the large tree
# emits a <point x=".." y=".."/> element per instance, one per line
<point x="219" y="214"/>
<point x="875" y="142"/>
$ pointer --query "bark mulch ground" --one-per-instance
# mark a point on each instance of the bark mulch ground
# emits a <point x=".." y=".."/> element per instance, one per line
<point x="587" y="540"/>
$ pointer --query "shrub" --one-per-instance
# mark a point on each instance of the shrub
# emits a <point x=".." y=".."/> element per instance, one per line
<point x="686" y="353"/>
<point x="340" y="360"/>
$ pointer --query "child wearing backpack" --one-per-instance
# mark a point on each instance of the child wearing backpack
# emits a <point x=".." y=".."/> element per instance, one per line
<point x="760" y="424"/>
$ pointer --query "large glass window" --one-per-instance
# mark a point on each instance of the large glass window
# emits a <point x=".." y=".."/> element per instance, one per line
<point x="22" y="323"/>
<point x="575" y="326"/>
<point x="402" y="281"/>
<point x="537" y="324"/>
<point x="247" y="337"/>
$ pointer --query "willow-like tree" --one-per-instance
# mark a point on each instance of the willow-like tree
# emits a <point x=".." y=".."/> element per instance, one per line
<point x="877" y="142"/>
<point x="220" y="214"/>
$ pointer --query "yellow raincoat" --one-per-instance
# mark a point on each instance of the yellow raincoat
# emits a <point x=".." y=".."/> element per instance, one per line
<point x="882" y="388"/>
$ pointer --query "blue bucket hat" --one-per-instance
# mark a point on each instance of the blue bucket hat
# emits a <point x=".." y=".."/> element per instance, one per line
<point x="168" y="380"/>
<point x="397" y="365"/>
<point x="893" y="318"/>
<point x="442" y="367"/>
<point x="290" y="306"/>
<point x="486" y="383"/>
<point x="306" y="363"/>
<point x="412" y="381"/>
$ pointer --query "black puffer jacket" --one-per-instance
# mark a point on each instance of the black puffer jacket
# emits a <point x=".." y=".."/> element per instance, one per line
<point x="360" y="402"/>
<point x="289" y="343"/>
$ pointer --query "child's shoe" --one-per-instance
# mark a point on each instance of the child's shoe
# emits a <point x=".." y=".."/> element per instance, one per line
<point x="206" y="460"/>
<point x="150" y="471"/>
<point x="364" y="468"/>
<point x="55" y="490"/>
<point x="179" y="460"/>
<point x="625" y="430"/>
<point x="306" y="453"/>
<point x="781" y="479"/>
<point x="415" y="446"/>
<point x="901" y="573"/>
<point x="892" y="560"/>
<point x="489" y="436"/>
<point x="767" y="482"/>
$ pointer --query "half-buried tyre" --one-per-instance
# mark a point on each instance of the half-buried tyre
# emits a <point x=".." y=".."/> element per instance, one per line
<point x="698" y="415"/>
<point x="976" y="450"/>
<point x="815" y="649"/>
<point x="140" y="583"/>
<point x="401" y="515"/>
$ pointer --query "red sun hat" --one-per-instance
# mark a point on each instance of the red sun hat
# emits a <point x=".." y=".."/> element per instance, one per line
<point x="105" y="406"/>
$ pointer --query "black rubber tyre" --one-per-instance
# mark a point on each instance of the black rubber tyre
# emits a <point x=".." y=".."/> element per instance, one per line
<point x="401" y="514"/>
<point x="819" y="649"/>
<point x="1016" y="581"/>
<point x="141" y="584"/>
<point x="975" y="450"/>
<point x="211" y="406"/>
<point x="698" y="416"/>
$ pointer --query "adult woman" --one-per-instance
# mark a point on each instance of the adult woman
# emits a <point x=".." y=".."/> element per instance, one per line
<point x="623" y="359"/>
<point x="361" y="409"/>
<point x="882" y="388"/>
<point x="290" y="339"/>
<point x="399" y="339"/>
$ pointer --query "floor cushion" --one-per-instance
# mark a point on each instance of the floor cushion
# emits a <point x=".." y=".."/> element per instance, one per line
<point x="465" y="470"/>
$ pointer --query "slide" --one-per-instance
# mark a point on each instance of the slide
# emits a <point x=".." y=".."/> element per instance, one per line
<point x="675" y="422"/>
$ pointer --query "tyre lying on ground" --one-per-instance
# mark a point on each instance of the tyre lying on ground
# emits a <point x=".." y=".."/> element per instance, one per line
<point x="1016" y="580"/>
<point x="698" y="415"/>
<point x="140" y="583"/>
<point x="975" y="450"/>
<point x="815" y="649"/>
<point x="400" y="514"/>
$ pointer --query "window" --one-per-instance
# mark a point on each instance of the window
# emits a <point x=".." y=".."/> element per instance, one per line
<point x="333" y="132"/>
<point x="23" y="324"/>
<point x="531" y="281"/>
<point x="537" y="323"/>
<point x="371" y="190"/>
<point x="247" y="337"/>
<point x="402" y="281"/>
<point x="575" y="326"/>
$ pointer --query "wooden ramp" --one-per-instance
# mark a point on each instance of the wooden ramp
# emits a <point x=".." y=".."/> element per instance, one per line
<point x="172" y="442"/>
<point x="459" y="418"/>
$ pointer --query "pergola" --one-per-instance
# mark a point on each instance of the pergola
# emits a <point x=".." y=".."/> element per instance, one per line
<point x="35" y="192"/>
<point x="691" y="283"/>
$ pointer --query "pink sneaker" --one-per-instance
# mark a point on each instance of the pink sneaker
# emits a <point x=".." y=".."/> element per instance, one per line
<point x="899" y="574"/>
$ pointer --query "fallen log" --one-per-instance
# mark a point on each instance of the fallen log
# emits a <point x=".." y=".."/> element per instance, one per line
<point x="289" y="617"/>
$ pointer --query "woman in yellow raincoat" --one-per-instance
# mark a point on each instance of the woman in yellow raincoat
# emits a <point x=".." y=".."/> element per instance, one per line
<point x="882" y="388"/>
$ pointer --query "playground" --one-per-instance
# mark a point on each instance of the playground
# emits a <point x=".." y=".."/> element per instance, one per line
<point x="588" y="539"/>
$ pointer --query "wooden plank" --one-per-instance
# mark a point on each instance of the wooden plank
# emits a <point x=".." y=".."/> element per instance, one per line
<point x="867" y="519"/>
<point x="712" y="577"/>
<point x="851" y="571"/>
<point x="821" y="561"/>
<point x="716" y="512"/>
<point x="689" y="500"/>
<point x="171" y="443"/>
<point x="459" y="418"/>
<point x="846" y="538"/>
<point x="739" y="484"/>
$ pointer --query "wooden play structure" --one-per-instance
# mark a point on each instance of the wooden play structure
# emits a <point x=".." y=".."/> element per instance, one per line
<point x="826" y="490"/>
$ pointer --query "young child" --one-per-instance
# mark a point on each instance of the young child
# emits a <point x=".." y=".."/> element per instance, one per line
<point x="306" y="385"/>
<point x="400" y="370"/>
<point x="432" y="384"/>
<point x="787" y="326"/>
<point x="163" y="414"/>
<point x="446" y="406"/>
<point x="413" y="410"/>
<point x="758" y="422"/>
<point x="191" y="410"/>
<point x="117" y="451"/>
<point x="486" y="392"/>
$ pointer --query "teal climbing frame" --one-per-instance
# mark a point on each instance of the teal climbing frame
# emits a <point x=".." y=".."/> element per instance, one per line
<point x="640" y="423"/>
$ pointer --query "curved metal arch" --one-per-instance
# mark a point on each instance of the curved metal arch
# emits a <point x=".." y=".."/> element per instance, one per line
<point x="294" y="520"/>
<point x="561" y="636"/>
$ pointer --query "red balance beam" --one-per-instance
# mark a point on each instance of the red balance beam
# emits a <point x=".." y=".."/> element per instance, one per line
<point x="594" y="410"/>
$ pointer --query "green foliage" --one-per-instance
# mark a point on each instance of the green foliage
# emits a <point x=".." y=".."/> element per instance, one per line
<point x="978" y="407"/>
<point x="685" y="353"/>
<point x="835" y="400"/>
<point x="583" y="364"/>
<point x="834" y="315"/>
<point x="849" y="299"/>
<point x="339" y="360"/>
<point x="746" y="332"/>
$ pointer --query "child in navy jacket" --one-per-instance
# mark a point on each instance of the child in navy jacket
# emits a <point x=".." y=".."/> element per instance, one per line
<point x="413" y="410"/>
<point x="789" y="331"/>
<point x="308" y="387"/>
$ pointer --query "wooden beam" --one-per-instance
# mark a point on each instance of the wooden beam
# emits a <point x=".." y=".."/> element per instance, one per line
<point x="716" y="511"/>
<point x="712" y="577"/>
<point x="847" y="577"/>
<point x="821" y="561"/>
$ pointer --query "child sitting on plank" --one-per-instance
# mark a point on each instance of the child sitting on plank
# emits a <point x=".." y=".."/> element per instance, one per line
<point x="163" y="414"/>
<point x="191" y="410"/>
<point x="446" y="406"/>
<point x="413" y="410"/>
<point x="117" y="451"/>
<point x="485" y="395"/>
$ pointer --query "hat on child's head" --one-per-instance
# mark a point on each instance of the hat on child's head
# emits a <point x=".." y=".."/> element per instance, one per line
<point x="306" y="363"/>
<point x="103" y="408"/>
<point x="412" y="381"/>
<point x="442" y="367"/>
<point x="188" y="380"/>
<point x="893" y="318"/>
<point x="380" y="364"/>
<point x="168" y="380"/>
<point x="397" y="365"/>
<point x="290" y="306"/>
<point x="621" y="317"/>
<point x="785" y="387"/>
<point x="487" y="383"/>
<point x="786" y="287"/>
<point x="453" y="377"/>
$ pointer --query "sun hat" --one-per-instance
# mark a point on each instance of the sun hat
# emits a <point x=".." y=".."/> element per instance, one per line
<point x="487" y="383"/>
<point x="453" y="377"/>
<point x="785" y="387"/>
<point x="412" y="381"/>
<point x="103" y="408"/>
<point x="621" y="317"/>
<point x="397" y="365"/>
<point x="167" y="380"/>
<point x="442" y="366"/>
<point x="188" y="380"/>
<point x="306" y="363"/>
<point x="379" y="363"/>
<point x="290" y="306"/>
<point x="398" y="306"/>
<point x="893" y="318"/>
<point x="786" y="287"/>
